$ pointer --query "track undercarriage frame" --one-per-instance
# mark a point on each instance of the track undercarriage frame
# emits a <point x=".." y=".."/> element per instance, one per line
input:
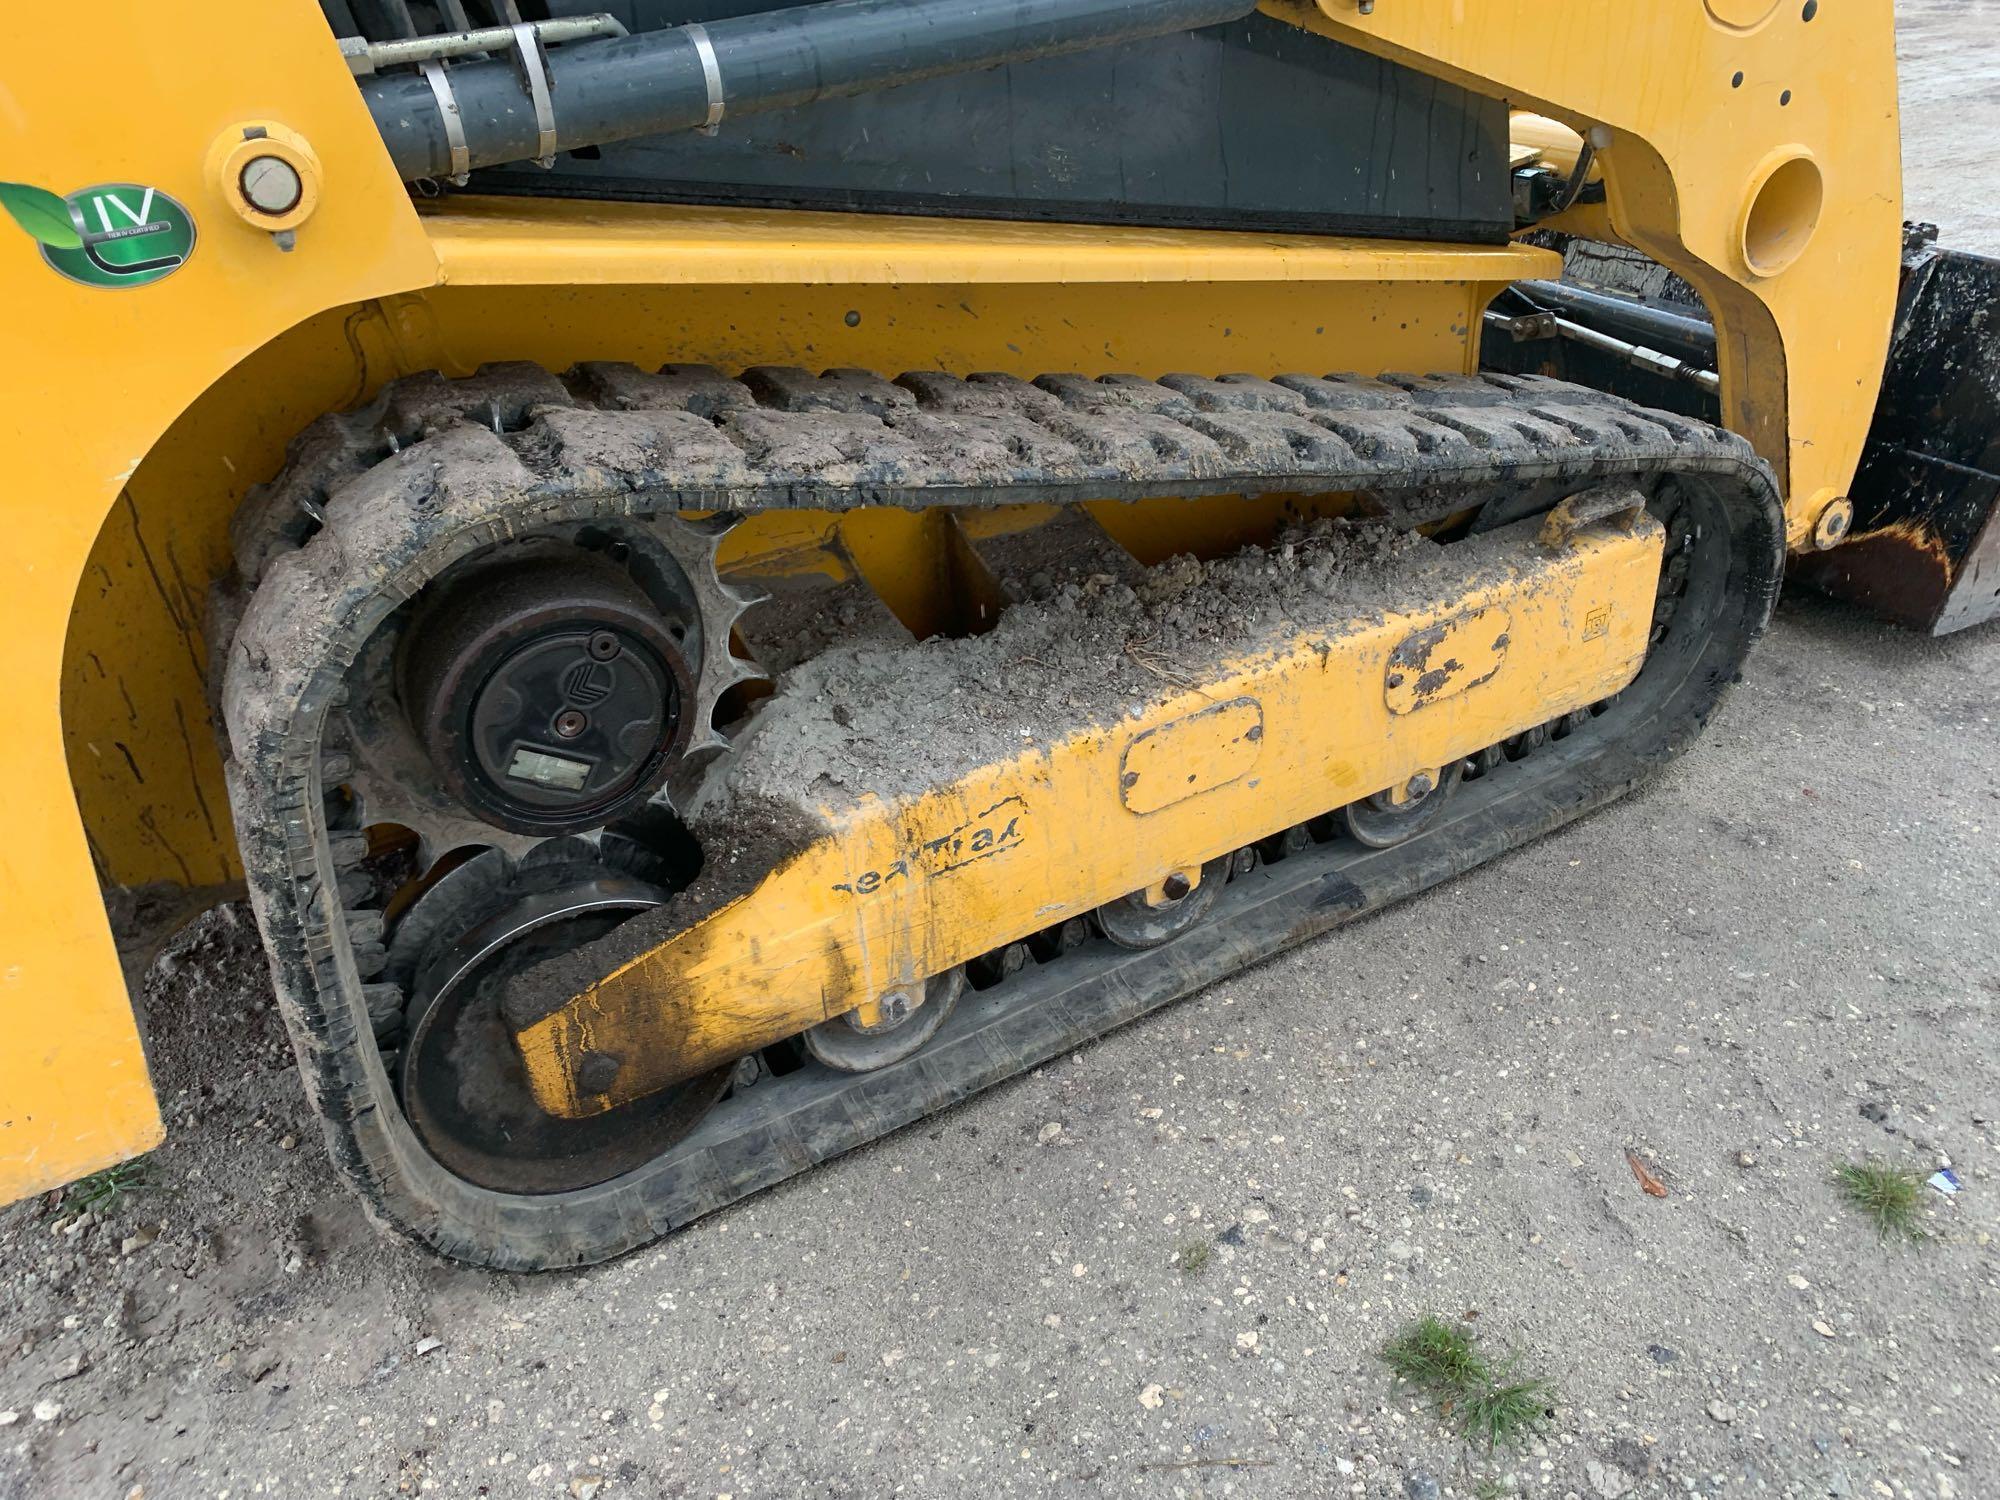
<point x="119" y="533"/>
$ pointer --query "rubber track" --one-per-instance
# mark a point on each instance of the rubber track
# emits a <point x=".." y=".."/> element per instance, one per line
<point x="782" y="437"/>
<point x="375" y="502"/>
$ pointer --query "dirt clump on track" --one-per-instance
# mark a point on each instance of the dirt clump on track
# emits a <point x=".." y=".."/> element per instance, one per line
<point x="1082" y="648"/>
<point x="1079" y="652"/>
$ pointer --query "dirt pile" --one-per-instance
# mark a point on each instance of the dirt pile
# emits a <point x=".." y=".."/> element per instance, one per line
<point x="1077" y="652"/>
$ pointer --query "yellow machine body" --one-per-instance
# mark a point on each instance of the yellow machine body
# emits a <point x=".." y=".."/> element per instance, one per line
<point x="1747" y="148"/>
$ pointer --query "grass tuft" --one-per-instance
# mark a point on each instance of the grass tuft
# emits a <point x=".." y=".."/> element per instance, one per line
<point x="1435" y="1357"/>
<point x="1191" y="1257"/>
<point x="1443" y="1361"/>
<point x="101" y="1192"/>
<point x="1505" y="1414"/>
<point x="1887" y="1196"/>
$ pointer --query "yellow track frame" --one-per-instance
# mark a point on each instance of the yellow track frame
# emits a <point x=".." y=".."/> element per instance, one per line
<point x="1309" y="721"/>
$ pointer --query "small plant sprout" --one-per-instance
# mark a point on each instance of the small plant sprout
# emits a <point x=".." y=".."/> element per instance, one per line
<point x="101" y="1192"/>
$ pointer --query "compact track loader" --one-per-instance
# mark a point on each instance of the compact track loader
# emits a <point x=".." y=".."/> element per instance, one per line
<point x="726" y="583"/>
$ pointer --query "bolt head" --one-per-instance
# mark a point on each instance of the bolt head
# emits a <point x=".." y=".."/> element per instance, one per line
<point x="1176" y="886"/>
<point x="1830" y="530"/>
<point x="1420" y="785"/>
<point x="272" y="185"/>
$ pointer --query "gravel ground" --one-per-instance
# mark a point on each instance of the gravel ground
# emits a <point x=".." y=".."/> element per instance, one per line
<point x="1777" y="958"/>
<point x="1951" y="117"/>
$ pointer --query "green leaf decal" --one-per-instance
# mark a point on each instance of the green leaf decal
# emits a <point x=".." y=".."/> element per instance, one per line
<point x="41" y="213"/>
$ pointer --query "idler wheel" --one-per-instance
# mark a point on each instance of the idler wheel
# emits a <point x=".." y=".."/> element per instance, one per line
<point x="465" y="1092"/>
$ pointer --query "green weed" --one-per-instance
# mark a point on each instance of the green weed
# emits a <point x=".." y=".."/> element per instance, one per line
<point x="1887" y="1196"/>
<point x="1435" y="1357"/>
<point x="1505" y="1414"/>
<point x="101" y="1192"/>
<point x="1483" y="1401"/>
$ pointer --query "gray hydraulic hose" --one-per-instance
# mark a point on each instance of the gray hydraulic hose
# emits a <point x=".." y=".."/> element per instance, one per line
<point x="444" y="122"/>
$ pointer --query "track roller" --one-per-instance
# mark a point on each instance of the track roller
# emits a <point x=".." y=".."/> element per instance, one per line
<point x="1388" y="817"/>
<point x="889" y="1030"/>
<point x="1161" y="913"/>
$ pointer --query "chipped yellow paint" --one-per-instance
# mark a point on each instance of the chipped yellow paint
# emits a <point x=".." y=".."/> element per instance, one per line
<point x="1449" y="657"/>
<point x="902" y="889"/>
<point x="1195" y="753"/>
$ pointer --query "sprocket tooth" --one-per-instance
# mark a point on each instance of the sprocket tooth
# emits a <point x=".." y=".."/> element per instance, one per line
<point x="711" y="529"/>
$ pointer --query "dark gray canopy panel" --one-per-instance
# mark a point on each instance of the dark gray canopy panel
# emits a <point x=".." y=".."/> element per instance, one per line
<point x="1252" y="124"/>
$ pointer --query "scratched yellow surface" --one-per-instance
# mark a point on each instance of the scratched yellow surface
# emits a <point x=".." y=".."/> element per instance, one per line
<point x="89" y="380"/>
<point x="906" y="887"/>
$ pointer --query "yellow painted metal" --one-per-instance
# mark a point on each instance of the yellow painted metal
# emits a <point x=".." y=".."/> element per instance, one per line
<point x="89" y="380"/>
<point x="903" y="888"/>
<point x="1195" y="753"/>
<point x="1185" y="880"/>
<point x="1450" y="657"/>
<point x="1703" y="103"/>
<point x="520" y="242"/>
<point x="1419" y="783"/>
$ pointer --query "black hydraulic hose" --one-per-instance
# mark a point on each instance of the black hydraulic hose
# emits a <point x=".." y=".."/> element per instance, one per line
<point x="1686" y="336"/>
<point x="687" y="77"/>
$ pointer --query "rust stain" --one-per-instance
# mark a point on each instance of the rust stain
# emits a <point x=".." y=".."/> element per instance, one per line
<point x="1902" y="570"/>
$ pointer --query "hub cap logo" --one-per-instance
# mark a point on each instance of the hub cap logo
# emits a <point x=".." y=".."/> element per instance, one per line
<point x="116" y="234"/>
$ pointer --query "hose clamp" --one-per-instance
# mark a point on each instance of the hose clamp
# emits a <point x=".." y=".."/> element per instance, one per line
<point x="454" y="122"/>
<point x="711" y="74"/>
<point x="535" y="72"/>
